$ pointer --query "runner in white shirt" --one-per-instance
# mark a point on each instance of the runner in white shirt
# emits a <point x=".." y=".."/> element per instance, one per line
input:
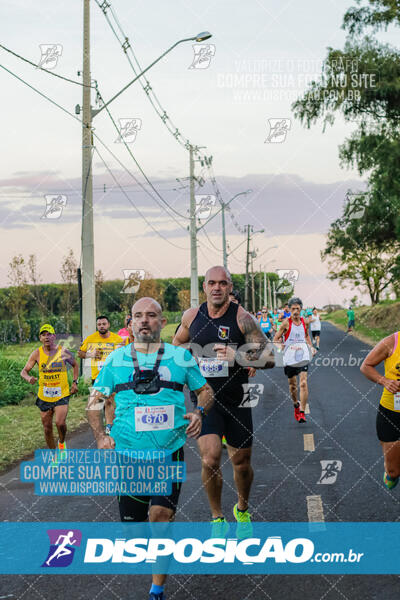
<point x="297" y="354"/>
<point x="315" y="327"/>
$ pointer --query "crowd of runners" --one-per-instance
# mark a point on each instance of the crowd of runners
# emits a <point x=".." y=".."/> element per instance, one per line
<point x="214" y="351"/>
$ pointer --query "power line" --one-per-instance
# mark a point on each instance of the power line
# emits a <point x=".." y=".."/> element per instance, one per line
<point x="134" y="205"/>
<point x="41" y="93"/>
<point x="42" y="69"/>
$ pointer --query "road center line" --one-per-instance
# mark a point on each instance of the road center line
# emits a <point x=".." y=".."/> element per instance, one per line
<point x="307" y="410"/>
<point x="309" y="445"/>
<point x="315" y="510"/>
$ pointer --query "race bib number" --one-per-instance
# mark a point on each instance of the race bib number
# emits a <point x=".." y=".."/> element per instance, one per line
<point x="396" y="398"/>
<point x="213" y="367"/>
<point x="296" y="355"/>
<point x="51" y="392"/>
<point x="154" y="418"/>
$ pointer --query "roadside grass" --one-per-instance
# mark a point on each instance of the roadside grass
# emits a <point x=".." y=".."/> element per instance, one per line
<point x="21" y="430"/>
<point x="366" y="330"/>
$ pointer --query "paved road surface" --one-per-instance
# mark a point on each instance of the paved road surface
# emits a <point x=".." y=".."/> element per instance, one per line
<point x="341" y="427"/>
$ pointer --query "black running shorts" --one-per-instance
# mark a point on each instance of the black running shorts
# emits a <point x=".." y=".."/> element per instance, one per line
<point x="315" y="333"/>
<point x="136" y="508"/>
<point x="234" y="422"/>
<point x="387" y="425"/>
<point x="45" y="406"/>
<point x="293" y="371"/>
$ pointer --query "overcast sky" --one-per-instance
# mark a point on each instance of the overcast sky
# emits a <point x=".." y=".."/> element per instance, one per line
<point x="264" y="52"/>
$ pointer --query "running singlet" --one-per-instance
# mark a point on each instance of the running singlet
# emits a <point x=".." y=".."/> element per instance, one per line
<point x="53" y="379"/>
<point x="226" y="381"/>
<point x="392" y="371"/>
<point x="149" y="421"/>
<point x="296" y="352"/>
<point x="105" y="345"/>
<point x="265" y="325"/>
<point x="315" y="324"/>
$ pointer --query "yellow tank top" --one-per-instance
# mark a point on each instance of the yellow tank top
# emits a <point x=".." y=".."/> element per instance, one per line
<point x="392" y="371"/>
<point x="53" y="379"/>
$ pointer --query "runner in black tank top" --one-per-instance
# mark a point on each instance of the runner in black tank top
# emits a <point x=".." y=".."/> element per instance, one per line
<point x="217" y="330"/>
<point x="204" y="330"/>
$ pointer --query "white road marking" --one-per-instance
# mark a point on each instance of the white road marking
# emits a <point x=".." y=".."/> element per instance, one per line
<point x="309" y="445"/>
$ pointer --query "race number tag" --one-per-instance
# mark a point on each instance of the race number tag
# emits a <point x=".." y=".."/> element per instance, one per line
<point x="396" y="397"/>
<point x="51" y="392"/>
<point x="154" y="418"/>
<point x="296" y="355"/>
<point x="213" y="367"/>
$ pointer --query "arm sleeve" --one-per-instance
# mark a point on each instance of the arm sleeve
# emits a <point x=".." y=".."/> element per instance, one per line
<point x="194" y="379"/>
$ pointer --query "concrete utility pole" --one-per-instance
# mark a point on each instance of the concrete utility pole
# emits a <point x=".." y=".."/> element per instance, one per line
<point x="265" y="290"/>
<point x="260" y="299"/>
<point x="224" y="252"/>
<point x="246" y="284"/>
<point x="194" y="280"/>
<point x="88" y="284"/>
<point x="253" y="300"/>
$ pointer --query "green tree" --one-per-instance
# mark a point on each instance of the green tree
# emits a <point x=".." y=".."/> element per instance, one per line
<point x="362" y="83"/>
<point x="68" y="273"/>
<point x="355" y="258"/>
<point x="17" y="296"/>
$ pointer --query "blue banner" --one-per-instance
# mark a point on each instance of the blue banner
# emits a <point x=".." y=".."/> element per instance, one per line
<point x="102" y="472"/>
<point x="188" y="548"/>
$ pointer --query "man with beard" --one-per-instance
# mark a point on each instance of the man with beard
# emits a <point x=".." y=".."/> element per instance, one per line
<point x="144" y="381"/>
<point x="217" y="330"/>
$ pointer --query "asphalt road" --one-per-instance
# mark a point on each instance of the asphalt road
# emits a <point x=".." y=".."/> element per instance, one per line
<point x="340" y="427"/>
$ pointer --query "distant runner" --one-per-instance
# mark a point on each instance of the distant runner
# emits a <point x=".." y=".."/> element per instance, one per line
<point x="388" y="417"/>
<point x="298" y="352"/>
<point x="315" y="327"/>
<point x="124" y="332"/>
<point x="266" y="323"/>
<point x="351" y="320"/>
<point x="98" y="346"/>
<point x="54" y="391"/>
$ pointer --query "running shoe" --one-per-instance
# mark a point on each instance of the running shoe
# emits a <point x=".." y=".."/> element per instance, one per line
<point x="389" y="482"/>
<point x="153" y="596"/>
<point x="219" y="527"/>
<point x="302" y="417"/>
<point x="62" y="450"/>
<point x="244" y="527"/>
<point x="224" y="444"/>
<point x="297" y="412"/>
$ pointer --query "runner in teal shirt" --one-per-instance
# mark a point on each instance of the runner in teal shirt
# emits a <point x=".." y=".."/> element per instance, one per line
<point x="149" y="421"/>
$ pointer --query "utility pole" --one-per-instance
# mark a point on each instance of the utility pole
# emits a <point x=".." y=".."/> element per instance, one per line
<point x="260" y="300"/>
<point x="224" y="252"/>
<point x="253" y="303"/>
<point x="88" y="284"/>
<point x="265" y="290"/>
<point x="274" y="294"/>
<point x="246" y="284"/>
<point x="194" y="282"/>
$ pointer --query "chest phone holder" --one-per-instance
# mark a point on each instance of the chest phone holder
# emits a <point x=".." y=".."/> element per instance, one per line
<point x="146" y="381"/>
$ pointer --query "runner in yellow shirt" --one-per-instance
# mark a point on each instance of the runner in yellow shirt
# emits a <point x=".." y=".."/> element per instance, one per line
<point x="97" y="347"/>
<point x="388" y="417"/>
<point x="54" y="391"/>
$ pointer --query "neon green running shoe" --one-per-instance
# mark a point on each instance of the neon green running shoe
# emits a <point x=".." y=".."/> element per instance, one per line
<point x="244" y="527"/>
<point x="389" y="482"/>
<point x="219" y="527"/>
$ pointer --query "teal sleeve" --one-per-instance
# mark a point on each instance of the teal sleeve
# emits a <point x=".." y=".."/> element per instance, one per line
<point x="105" y="381"/>
<point x="193" y="378"/>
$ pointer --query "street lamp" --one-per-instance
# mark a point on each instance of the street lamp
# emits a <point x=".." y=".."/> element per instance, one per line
<point x="88" y="322"/>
